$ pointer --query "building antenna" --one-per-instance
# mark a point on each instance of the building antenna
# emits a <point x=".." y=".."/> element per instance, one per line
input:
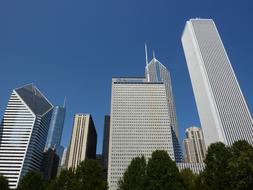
<point x="64" y="102"/>
<point x="153" y="54"/>
<point x="146" y="53"/>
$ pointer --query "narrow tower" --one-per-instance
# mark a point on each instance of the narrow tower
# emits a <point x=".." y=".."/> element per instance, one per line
<point x="83" y="140"/>
<point x="223" y="112"/>
<point x="194" y="145"/>
<point x="157" y="72"/>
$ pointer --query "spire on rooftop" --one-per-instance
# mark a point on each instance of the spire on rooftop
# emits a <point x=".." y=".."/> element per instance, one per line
<point x="146" y="54"/>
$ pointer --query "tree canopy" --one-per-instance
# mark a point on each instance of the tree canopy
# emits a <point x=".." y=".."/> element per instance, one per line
<point x="189" y="178"/>
<point x="135" y="177"/>
<point x="163" y="173"/>
<point x="87" y="176"/>
<point x="32" y="181"/>
<point x="226" y="168"/>
<point x="3" y="183"/>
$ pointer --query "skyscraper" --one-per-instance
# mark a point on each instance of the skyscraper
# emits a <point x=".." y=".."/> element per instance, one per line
<point x="222" y="109"/>
<point x="83" y="140"/>
<point x="64" y="157"/>
<point x="194" y="145"/>
<point x="140" y="124"/>
<point x="49" y="164"/>
<point x="106" y="142"/>
<point x="55" y="130"/>
<point x="23" y="133"/>
<point x="157" y="72"/>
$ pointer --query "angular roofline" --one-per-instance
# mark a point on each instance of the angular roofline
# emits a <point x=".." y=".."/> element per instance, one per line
<point x="130" y="77"/>
<point x="36" y="89"/>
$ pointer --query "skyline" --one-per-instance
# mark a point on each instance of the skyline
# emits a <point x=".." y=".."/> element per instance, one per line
<point x="131" y="55"/>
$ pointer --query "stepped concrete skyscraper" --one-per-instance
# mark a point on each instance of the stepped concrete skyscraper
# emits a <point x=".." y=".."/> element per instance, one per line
<point x="140" y="124"/>
<point x="155" y="71"/>
<point x="194" y="145"/>
<point x="83" y="140"/>
<point x="23" y="133"/>
<point x="55" y="130"/>
<point x="222" y="109"/>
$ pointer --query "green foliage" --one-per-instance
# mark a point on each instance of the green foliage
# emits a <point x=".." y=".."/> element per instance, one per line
<point x="215" y="174"/>
<point x="163" y="173"/>
<point x="200" y="183"/>
<point x="87" y="176"/>
<point x="135" y="177"/>
<point x="227" y="168"/>
<point x="32" y="181"/>
<point x="90" y="176"/>
<point x="3" y="183"/>
<point x="240" y="167"/>
<point x="189" y="179"/>
<point x="67" y="180"/>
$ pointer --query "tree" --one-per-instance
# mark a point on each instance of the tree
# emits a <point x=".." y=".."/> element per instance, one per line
<point x="32" y="181"/>
<point x="189" y="178"/>
<point x="3" y="183"/>
<point x="135" y="177"/>
<point x="162" y="172"/>
<point x="90" y="175"/>
<point x="215" y="174"/>
<point x="200" y="182"/>
<point x="67" y="180"/>
<point x="240" y="167"/>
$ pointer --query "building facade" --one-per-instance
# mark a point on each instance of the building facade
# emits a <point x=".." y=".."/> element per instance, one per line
<point x="222" y="109"/>
<point x="55" y="130"/>
<point x="155" y="71"/>
<point x="63" y="161"/>
<point x="196" y="168"/>
<point x="83" y="140"/>
<point x="194" y="145"/>
<point x="140" y="124"/>
<point x="23" y="133"/>
<point x="106" y="142"/>
<point x="49" y="164"/>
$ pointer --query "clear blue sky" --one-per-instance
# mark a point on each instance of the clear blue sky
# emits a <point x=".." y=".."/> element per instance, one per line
<point x="74" y="48"/>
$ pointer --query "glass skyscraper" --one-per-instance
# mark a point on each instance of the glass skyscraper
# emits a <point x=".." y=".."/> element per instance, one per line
<point x="223" y="111"/>
<point x="157" y="72"/>
<point x="23" y="133"/>
<point x="55" y="130"/>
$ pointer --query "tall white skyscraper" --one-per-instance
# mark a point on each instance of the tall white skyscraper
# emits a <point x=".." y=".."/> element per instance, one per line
<point x="155" y="71"/>
<point x="140" y="124"/>
<point x="222" y="109"/>
<point x="23" y="133"/>
<point x="194" y="145"/>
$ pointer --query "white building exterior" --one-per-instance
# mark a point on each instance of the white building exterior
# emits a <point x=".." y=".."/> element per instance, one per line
<point x="194" y="145"/>
<point x="23" y="133"/>
<point x="196" y="168"/>
<point x="222" y="109"/>
<point x="140" y="124"/>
